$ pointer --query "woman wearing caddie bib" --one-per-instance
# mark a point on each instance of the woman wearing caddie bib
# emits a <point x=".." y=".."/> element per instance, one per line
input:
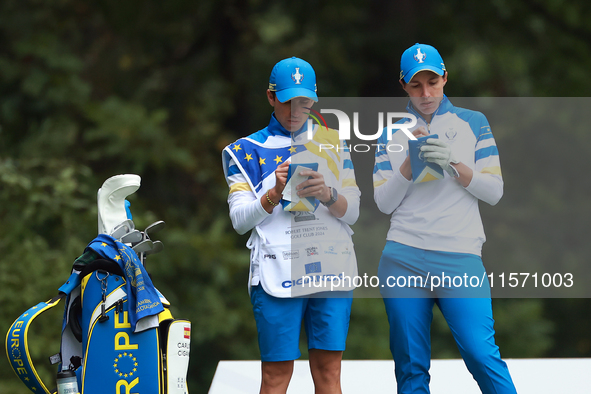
<point x="300" y="239"/>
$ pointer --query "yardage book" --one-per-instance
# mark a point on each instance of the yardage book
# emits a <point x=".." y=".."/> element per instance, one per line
<point x="422" y="171"/>
<point x="291" y="201"/>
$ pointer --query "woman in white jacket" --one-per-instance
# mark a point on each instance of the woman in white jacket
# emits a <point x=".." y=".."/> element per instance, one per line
<point x="433" y="250"/>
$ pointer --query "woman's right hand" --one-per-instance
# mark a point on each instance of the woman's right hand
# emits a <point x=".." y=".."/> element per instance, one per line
<point x="281" y="178"/>
<point x="405" y="169"/>
<point x="420" y="132"/>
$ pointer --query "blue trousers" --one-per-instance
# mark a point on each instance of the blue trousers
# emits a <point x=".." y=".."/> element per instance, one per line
<point x="469" y="318"/>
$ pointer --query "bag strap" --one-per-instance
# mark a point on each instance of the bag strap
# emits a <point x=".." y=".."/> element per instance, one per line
<point x="17" y="347"/>
<point x="17" y="339"/>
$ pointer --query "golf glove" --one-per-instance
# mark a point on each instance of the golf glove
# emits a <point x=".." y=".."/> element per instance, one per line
<point x="438" y="152"/>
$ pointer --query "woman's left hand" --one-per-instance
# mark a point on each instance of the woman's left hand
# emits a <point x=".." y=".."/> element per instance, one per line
<point x="313" y="187"/>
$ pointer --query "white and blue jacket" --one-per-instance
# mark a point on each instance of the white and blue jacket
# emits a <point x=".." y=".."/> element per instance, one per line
<point x="440" y="215"/>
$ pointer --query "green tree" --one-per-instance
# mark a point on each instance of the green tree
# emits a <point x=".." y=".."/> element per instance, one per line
<point x="89" y="90"/>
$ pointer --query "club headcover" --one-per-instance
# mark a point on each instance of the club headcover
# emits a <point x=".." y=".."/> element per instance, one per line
<point x="111" y="200"/>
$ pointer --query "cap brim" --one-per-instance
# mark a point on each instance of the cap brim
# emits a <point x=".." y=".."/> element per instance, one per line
<point x="409" y="75"/>
<point x="288" y="94"/>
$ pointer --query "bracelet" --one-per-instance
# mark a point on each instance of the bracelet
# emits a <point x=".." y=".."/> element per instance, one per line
<point x="269" y="199"/>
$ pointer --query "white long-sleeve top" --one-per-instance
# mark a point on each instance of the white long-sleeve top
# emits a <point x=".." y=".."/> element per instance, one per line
<point x="249" y="166"/>
<point x="441" y="214"/>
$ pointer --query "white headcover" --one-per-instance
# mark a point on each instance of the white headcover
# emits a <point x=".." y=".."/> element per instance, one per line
<point x="111" y="200"/>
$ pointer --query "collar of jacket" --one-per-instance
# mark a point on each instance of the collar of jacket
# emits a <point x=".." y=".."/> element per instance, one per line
<point x="275" y="128"/>
<point x="444" y="106"/>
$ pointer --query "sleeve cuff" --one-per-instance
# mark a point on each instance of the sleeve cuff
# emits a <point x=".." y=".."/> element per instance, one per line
<point x="487" y="188"/>
<point x="352" y="213"/>
<point x="473" y="185"/>
<point x="261" y="211"/>
<point x="399" y="177"/>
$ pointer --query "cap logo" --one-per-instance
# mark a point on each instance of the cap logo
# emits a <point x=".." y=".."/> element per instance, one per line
<point x="420" y="56"/>
<point x="297" y="77"/>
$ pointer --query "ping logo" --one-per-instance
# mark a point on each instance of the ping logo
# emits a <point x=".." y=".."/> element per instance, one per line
<point x="270" y="256"/>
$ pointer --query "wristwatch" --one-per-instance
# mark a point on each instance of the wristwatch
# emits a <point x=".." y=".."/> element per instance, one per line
<point x="334" y="196"/>
<point x="455" y="171"/>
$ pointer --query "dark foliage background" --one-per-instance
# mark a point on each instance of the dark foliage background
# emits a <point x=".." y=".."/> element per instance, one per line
<point x="93" y="89"/>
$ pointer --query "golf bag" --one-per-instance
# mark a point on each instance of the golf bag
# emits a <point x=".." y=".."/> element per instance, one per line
<point x="118" y="334"/>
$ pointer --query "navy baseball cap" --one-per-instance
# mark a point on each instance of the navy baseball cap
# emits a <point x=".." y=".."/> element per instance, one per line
<point x="293" y="77"/>
<point x="420" y="57"/>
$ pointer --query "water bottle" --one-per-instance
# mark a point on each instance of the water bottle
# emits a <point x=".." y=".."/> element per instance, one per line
<point x="67" y="383"/>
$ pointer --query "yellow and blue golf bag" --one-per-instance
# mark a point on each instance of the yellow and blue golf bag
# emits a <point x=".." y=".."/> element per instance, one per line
<point x="118" y="334"/>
